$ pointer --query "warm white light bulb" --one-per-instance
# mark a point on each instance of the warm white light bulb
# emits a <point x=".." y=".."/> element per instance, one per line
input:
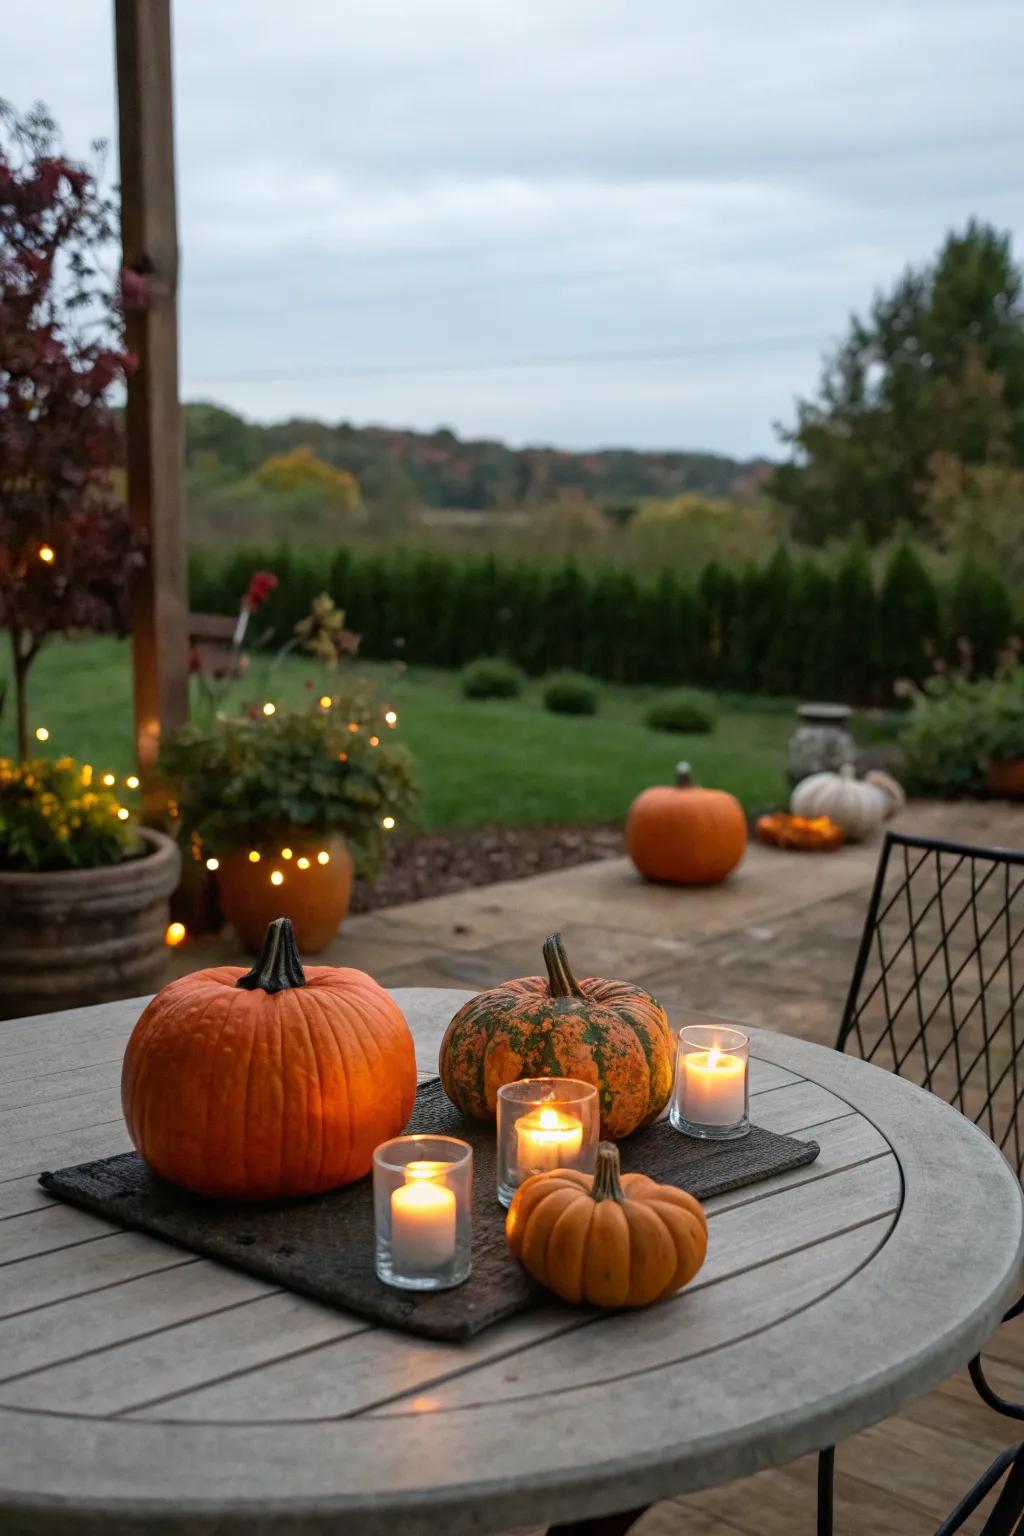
<point x="390" y="718"/>
<point x="46" y="554"/>
<point x="123" y="813"/>
<point x="269" y="709"/>
<point x="323" y="857"/>
<point x="276" y="877"/>
<point x="388" y="823"/>
<point x="213" y="864"/>
<point x="132" y="781"/>
<point x="42" y="734"/>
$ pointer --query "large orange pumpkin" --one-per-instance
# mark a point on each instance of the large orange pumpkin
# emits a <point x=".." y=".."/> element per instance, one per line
<point x="609" y="1033"/>
<point x="686" y="835"/>
<point x="269" y="1083"/>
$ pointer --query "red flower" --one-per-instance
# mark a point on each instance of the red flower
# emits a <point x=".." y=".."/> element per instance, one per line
<point x="261" y="584"/>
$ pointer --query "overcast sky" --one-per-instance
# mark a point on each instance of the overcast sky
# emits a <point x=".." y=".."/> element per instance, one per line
<point x="426" y="212"/>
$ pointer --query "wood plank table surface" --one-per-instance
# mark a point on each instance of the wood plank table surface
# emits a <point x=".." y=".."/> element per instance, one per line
<point x="145" y="1389"/>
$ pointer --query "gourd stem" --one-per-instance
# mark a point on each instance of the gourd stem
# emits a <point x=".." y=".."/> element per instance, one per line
<point x="684" y="776"/>
<point x="561" y="981"/>
<point x="606" y="1185"/>
<point x="278" y="966"/>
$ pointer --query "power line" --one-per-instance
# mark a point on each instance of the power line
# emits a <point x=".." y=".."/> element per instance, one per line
<point x="508" y="365"/>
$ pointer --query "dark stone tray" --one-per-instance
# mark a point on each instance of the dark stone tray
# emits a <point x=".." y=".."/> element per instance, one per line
<point x="323" y="1246"/>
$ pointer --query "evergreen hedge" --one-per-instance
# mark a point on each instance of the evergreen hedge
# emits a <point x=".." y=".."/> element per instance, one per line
<point x="793" y="625"/>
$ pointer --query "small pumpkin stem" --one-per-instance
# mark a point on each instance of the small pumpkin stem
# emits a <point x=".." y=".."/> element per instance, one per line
<point x="278" y="966"/>
<point x="561" y="981"/>
<point x="684" y="776"/>
<point x="606" y="1185"/>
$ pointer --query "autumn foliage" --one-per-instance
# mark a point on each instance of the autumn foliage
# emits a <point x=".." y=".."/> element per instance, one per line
<point x="68" y="550"/>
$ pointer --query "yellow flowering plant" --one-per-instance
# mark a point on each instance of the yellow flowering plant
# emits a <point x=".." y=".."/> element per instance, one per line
<point x="54" y="816"/>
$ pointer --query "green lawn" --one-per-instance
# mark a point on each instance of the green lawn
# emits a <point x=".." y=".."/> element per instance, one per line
<point x="490" y="763"/>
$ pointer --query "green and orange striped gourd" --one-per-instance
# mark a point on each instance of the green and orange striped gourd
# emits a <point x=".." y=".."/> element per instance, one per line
<point x="609" y="1033"/>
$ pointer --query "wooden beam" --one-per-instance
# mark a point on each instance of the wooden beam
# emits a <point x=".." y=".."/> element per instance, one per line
<point x="153" y="414"/>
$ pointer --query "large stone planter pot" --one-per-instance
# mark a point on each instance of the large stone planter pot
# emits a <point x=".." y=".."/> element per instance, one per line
<point x="821" y="742"/>
<point x="76" y="936"/>
<point x="1005" y="779"/>
<point x="316" y="898"/>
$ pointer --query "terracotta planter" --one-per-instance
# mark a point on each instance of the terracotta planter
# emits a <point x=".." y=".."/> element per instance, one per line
<point x="76" y="936"/>
<point x="316" y="898"/>
<point x="1006" y="779"/>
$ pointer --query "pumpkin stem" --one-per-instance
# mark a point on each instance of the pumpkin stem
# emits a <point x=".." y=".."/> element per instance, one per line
<point x="561" y="981"/>
<point x="684" y="776"/>
<point x="278" y="966"/>
<point x="606" y="1185"/>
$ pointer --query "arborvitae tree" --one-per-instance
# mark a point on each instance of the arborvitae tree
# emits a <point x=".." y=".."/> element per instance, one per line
<point x="813" y="630"/>
<point x="908" y="616"/>
<point x="856" y="626"/>
<point x="781" y="637"/>
<point x="565" y="616"/>
<point x="980" y="617"/>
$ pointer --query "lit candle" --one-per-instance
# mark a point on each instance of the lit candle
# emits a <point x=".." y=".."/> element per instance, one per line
<point x="547" y="1139"/>
<point x="422" y="1221"/>
<point x="713" y="1087"/>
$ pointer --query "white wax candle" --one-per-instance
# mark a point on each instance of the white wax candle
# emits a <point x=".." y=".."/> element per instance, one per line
<point x="546" y="1139"/>
<point x="713" y="1087"/>
<point x="422" y="1223"/>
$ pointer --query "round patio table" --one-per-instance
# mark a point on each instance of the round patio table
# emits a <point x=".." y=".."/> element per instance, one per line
<point x="145" y="1389"/>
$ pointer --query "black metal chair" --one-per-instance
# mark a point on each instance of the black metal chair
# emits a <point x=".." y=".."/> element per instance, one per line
<point x="934" y="997"/>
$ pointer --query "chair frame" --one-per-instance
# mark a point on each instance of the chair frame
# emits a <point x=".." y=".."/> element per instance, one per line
<point x="1010" y="1505"/>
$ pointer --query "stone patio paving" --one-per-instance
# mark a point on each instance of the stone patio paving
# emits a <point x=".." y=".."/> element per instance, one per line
<point x="773" y="946"/>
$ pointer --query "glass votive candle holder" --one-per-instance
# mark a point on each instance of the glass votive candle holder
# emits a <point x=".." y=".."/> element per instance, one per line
<point x="710" y="1097"/>
<point x="423" y="1212"/>
<point x="545" y="1123"/>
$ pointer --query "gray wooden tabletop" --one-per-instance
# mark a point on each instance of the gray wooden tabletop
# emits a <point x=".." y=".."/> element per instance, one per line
<point x="144" y="1389"/>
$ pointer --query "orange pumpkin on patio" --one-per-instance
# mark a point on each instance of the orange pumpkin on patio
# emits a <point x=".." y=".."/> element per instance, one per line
<point x="269" y="1083"/>
<point x="607" y="1239"/>
<point x="685" y="835"/>
<point x="609" y="1033"/>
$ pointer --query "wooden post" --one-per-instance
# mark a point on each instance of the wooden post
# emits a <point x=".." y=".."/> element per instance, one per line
<point x="153" y="415"/>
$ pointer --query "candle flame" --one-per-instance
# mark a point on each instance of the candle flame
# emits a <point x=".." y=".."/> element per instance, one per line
<point x="714" y="1056"/>
<point x="423" y="1170"/>
<point x="549" y="1119"/>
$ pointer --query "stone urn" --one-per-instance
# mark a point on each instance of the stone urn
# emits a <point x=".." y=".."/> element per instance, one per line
<point x="821" y="742"/>
<point x="69" y="937"/>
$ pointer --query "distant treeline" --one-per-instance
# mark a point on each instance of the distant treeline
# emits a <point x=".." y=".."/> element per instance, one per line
<point x="796" y="626"/>
<point x="439" y="469"/>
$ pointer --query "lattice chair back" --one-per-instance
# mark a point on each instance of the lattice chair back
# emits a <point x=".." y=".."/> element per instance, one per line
<point x="937" y="989"/>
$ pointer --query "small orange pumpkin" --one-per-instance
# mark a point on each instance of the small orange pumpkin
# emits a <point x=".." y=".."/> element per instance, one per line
<point x="686" y="835"/>
<point x="607" y="1239"/>
<point x="609" y="1033"/>
<point x="269" y="1083"/>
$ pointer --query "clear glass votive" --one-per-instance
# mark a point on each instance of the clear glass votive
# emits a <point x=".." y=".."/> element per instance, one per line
<point x="711" y="1096"/>
<point x="545" y="1123"/>
<point x="423" y="1211"/>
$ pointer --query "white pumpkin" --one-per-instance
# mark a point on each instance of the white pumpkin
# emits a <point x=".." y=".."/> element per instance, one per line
<point x="891" y="788"/>
<point x="857" y="807"/>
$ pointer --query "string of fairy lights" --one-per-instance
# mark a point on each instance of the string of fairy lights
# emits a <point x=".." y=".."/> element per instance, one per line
<point x="177" y="932"/>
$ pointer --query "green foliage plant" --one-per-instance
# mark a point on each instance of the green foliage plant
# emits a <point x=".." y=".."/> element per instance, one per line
<point x="958" y="725"/>
<point x="254" y="779"/>
<point x="684" y="710"/>
<point x="570" y="693"/>
<point x="491" y="677"/>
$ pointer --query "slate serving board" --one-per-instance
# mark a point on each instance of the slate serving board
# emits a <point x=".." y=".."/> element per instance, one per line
<point x="323" y="1246"/>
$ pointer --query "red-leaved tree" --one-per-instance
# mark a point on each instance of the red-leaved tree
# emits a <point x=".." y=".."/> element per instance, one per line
<point x="68" y="550"/>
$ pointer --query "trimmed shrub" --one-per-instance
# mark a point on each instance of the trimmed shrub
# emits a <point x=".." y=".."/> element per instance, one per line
<point x="570" y="693"/>
<point x="491" y="677"/>
<point x="684" y="710"/>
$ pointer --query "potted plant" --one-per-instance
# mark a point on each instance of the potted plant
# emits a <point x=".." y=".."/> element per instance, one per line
<point x="1004" y="738"/>
<point x="83" y="890"/>
<point x="284" y="805"/>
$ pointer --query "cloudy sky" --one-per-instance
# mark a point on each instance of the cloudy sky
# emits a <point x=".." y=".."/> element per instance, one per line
<point x="585" y="222"/>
